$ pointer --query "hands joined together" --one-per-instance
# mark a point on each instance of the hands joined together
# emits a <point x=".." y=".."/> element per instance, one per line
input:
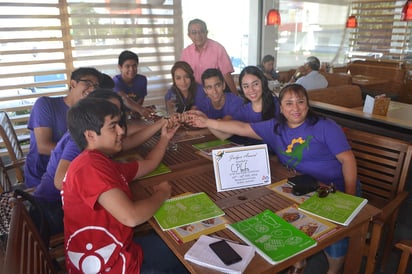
<point x="193" y="118"/>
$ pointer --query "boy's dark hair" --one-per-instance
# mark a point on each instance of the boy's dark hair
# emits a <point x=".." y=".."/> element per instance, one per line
<point x="107" y="94"/>
<point x="106" y="81"/>
<point x="127" y="55"/>
<point x="212" y="72"/>
<point x="79" y="73"/>
<point x="89" y="114"/>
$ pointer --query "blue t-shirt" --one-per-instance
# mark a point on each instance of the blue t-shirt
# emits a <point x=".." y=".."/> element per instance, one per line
<point x="309" y="149"/>
<point x="232" y="104"/>
<point x="47" y="112"/>
<point x="247" y="114"/>
<point x="66" y="149"/>
<point x="200" y="96"/>
<point x="136" y="91"/>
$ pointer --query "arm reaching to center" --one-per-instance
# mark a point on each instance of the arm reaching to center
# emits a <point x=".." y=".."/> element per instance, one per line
<point x="222" y="127"/>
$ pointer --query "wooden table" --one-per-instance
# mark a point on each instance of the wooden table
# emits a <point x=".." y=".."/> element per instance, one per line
<point x="198" y="176"/>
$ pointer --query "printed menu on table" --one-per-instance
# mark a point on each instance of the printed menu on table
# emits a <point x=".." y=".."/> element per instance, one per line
<point x="186" y="209"/>
<point x="337" y="207"/>
<point x="274" y="239"/>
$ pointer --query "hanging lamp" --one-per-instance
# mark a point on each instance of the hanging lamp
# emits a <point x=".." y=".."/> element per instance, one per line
<point x="273" y="18"/>
<point x="351" y="23"/>
<point x="407" y="11"/>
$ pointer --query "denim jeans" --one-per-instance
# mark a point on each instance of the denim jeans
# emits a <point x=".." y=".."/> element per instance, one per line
<point x="158" y="258"/>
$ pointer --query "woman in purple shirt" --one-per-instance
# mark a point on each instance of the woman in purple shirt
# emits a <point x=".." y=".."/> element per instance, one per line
<point x="305" y="142"/>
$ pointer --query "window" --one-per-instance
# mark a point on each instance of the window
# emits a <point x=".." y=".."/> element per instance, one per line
<point x="380" y="33"/>
<point x="309" y="28"/>
<point x="41" y="42"/>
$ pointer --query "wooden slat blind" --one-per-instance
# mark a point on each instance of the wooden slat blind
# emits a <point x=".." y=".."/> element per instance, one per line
<point x="42" y="42"/>
<point x="380" y="33"/>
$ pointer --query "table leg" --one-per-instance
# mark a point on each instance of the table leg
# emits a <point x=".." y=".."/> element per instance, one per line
<point x="354" y="255"/>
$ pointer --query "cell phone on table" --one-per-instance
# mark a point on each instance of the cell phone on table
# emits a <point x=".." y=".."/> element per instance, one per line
<point x="225" y="252"/>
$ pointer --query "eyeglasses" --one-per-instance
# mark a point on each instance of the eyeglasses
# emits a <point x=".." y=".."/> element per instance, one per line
<point x="323" y="191"/>
<point x="89" y="83"/>
<point x="195" y="32"/>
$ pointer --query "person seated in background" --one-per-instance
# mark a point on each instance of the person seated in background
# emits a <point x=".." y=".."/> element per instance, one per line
<point x="267" y="66"/>
<point x="185" y="93"/>
<point x="47" y="122"/>
<point x="305" y="142"/>
<point x="206" y="53"/>
<point x="47" y="193"/>
<point x="308" y="75"/>
<point x="130" y="85"/>
<point x="218" y="104"/>
<point x="100" y="212"/>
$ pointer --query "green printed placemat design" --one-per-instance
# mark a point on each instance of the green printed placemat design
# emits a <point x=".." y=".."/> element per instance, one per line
<point x="337" y="207"/>
<point x="187" y="209"/>
<point x="275" y="239"/>
<point x="161" y="169"/>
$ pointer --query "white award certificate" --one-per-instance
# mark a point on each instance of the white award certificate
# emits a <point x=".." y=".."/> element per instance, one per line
<point x="241" y="167"/>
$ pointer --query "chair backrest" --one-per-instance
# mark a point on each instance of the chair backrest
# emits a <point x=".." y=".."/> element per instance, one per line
<point x="26" y="251"/>
<point x="382" y="163"/>
<point x="11" y="143"/>
<point x="5" y="183"/>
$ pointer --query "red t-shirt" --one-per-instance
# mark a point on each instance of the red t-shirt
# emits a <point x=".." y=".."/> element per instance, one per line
<point x="95" y="241"/>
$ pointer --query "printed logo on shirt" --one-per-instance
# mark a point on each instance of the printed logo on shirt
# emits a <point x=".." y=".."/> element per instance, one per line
<point x="294" y="150"/>
<point x="89" y="257"/>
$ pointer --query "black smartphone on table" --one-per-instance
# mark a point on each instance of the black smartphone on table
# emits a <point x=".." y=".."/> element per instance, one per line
<point x="225" y="252"/>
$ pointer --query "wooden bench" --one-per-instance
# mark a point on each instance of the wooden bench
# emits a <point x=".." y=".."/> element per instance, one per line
<point x="393" y="72"/>
<point x="337" y="79"/>
<point x="349" y="96"/>
<point x="334" y="79"/>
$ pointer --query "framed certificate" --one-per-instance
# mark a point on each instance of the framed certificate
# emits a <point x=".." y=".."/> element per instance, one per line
<point x="241" y="167"/>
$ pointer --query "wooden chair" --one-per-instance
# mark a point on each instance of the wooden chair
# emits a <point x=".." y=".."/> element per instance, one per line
<point x="383" y="165"/>
<point x="5" y="182"/>
<point x="406" y="247"/>
<point x="26" y="251"/>
<point x="12" y="144"/>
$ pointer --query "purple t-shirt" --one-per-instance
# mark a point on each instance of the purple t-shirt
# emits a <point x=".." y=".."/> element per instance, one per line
<point x="47" y="112"/>
<point x="200" y="96"/>
<point x="232" y="104"/>
<point x="309" y="149"/>
<point x="247" y="114"/>
<point x="137" y="90"/>
<point x="66" y="149"/>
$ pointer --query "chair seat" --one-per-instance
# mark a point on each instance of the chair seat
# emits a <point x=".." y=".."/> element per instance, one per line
<point x="382" y="167"/>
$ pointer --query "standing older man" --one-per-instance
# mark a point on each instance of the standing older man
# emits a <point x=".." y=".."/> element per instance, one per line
<point x="206" y="53"/>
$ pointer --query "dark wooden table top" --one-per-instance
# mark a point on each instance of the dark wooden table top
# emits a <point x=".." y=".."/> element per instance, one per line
<point x="192" y="172"/>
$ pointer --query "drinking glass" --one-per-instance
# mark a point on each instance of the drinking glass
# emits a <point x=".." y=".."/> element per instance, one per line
<point x="171" y="110"/>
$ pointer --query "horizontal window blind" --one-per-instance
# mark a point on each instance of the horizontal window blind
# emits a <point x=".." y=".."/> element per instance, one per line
<point x="42" y="42"/>
<point x="380" y="32"/>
